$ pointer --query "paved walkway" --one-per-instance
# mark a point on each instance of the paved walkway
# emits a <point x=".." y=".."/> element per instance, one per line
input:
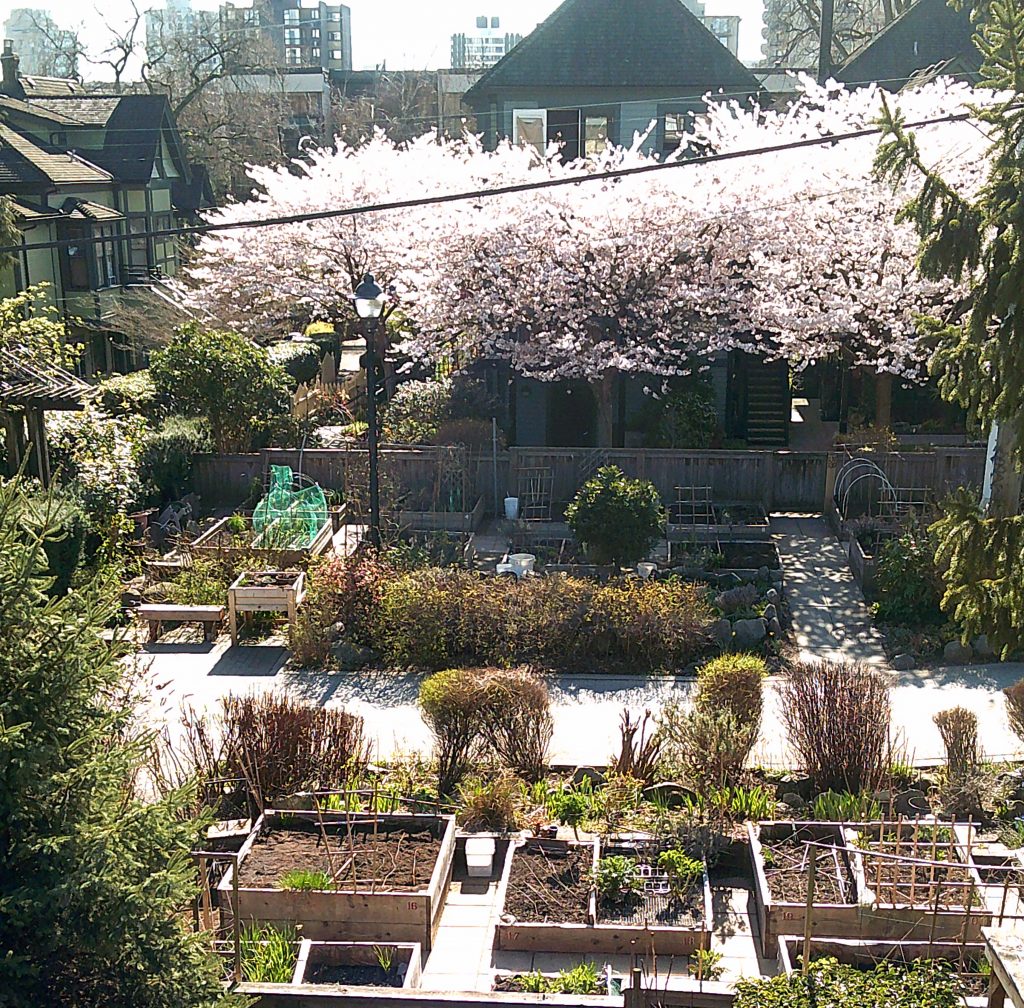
<point x="830" y="619"/>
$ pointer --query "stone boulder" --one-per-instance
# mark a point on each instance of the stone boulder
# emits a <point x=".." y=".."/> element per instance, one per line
<point x="957" y="653"/>
<point x="904" y="662"/>
<point x="580" y="774"/>
<point x="749" y="633"/>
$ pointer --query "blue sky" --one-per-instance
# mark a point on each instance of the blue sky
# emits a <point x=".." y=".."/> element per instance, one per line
<point x="408" y="34"/>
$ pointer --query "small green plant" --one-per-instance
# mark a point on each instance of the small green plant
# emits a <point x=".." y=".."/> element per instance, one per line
<point x="902" y="775"/>
<point x="617" y="877"/>
<point x="385" y="956"/>
<point x="707" y="964"/>
<point x="491" y="805"/>
<point x="305" y="880"/>
<point x="533" y="982"/>
<point x="268" y="953"/>
<point x="841" y="806"/>
<point x="581" y="979"/>
<point x="575" y="804"/>
<point x="236" y="526"/>
<point x="682" y="870"/>
<point x="741" y="804"/>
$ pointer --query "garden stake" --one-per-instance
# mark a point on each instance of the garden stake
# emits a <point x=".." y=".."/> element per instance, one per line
<point x="935" y="915"/>
<point x="913" y="874"/>
<point x="878" y="870"/>
<point x="323" y="836"/>
<point x="896" y="864"/>
<point x="236" y="921"/>
<point x="811" y="871"/>
<point x="1006" y="894"/>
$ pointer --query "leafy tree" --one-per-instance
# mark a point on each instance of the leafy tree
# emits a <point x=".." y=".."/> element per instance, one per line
<point x="32" y="330"/>
<point x="617" y="519"/>
<point x="92" y="879"/>
<point x="226" y="378"/>
<point x="977" y="236"/>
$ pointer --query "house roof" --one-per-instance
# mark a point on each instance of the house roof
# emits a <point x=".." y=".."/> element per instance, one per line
<point x="33" y="109"/>
<point x="928" y="35"/>
<point x="38" y="87"/>
<point x="23" y="163"/>
<point x="80" y="110"/>
<point x="614" y="44"/>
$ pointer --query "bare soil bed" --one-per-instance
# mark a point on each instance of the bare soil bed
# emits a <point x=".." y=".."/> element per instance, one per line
<point x="386" y="861"/>
<point x="549" y="887"/>
<point x="654" y="908"/>
<point x="786" y="868"/>
<point x="353" y="976"/>
<point x="269" y="579"/>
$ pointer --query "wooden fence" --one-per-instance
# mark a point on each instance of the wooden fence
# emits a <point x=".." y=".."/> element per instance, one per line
<point x="454" y="479"/>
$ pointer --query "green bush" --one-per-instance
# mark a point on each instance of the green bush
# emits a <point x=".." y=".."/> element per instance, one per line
<point x="707" y="748"/>
<point x="416" y="411"/>
<point x="165" y="456"/>
<point x="733" y="682"/>
<point x="300" y="360"/>
<point x="451" y="703"/>
<point x="909" y="584"/>
<point x="435" y="617"/>
<point x="130" y="395"/>
<point x="617" y="519"/>
<point x="685" y="418"/>
<point x="59" y="518"/>
<point x="661" y="624"/>
<point x="618" y="878"/>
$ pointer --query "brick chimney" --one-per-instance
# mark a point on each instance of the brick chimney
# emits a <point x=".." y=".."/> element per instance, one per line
<point x="9" y="62"/>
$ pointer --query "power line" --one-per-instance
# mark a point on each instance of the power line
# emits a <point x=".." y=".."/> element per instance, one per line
<point x="459" y="197"/>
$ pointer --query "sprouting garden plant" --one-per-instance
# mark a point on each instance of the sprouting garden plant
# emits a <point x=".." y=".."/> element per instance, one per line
<point x="268" y="953"/>
<point x="707" y="964"/>
<point x="306" y="880"/>
<point x="618" y="877"/>
<point x="841" y="806"/>
<point x="385" y="955"/>
<point x="682" y="870"/>
<point x="532" y="983"/>
<point x="582" y="979"/>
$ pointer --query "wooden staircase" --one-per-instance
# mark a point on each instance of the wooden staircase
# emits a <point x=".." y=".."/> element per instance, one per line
<point x="769" y="403"/>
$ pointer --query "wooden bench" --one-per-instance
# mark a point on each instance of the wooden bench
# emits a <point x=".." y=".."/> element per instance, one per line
<point x="156" y="615"/>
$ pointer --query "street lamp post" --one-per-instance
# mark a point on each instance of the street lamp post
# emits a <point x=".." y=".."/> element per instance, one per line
<point x="369" y="302"/>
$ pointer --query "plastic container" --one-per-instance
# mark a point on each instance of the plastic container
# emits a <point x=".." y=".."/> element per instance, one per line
<point x="646" y="569"/>
<point x="522" y="563"/>
<point x="511" y="508"/>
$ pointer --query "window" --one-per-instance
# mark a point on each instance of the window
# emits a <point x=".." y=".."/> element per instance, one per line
<point x="293" y="57"/>
<point x="165" y="255"/>
<point x="291" y="16"/>
<point x="335" y="54"/>
<point x="76" y="257"/>
<point x="292" y="36"/>
<point x="676" y="128"/>
<point x="316" y="32"/>
<point x="138" y="248"/>
<point x="106" y="256"/>
<point x="595" y="135"/>
<point x="529" y="129"/>
<point x="334" y="36"/>
<point x="314" y="53"/>
<point x="335" y="15"/>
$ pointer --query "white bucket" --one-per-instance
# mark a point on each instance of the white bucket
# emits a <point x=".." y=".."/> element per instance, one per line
<point x="646" y="569"/>
<point x="511" y="508"/>
<point x="522" y="563"/>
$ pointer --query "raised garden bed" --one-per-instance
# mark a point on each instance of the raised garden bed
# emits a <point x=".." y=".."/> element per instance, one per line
<point x="550" y="905"/>
<point x="359" y="964"/>
<point x="964" y="960"/>
<point x="389" y="875"/>
<point x="452" y="521"/>
<point x="860" y="896"/>
<point x="739" y="521"/>
<point x="265" y="591"/>
<point x="444" y="548"/>
<point x="221" y="540"/>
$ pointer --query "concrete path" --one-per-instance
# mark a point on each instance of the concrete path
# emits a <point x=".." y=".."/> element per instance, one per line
<point x="830" y="619"/>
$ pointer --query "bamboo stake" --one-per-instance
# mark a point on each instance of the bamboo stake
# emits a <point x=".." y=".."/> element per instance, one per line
<point x="236" y="921"/>
<point x="935" y="917"/>
<point x="913" y="873"/>
<point x="812" y="868"/>
<point x="878" y="868"/>
<point x="896" y="867"/>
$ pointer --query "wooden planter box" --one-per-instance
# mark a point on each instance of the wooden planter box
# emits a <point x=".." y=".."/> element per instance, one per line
<point x="217" y="541"/>
<point x="317" y="953"/>
<point x="400" y="917"/>
<point x="599" y="938"/>
<point x="864" y="567"/>
<point x="246" y="597"/>
<point x="444" y="521"/>
<point x="861" y="918"/>
<point x="865" y="954"/>
<point x="725" y="528"/>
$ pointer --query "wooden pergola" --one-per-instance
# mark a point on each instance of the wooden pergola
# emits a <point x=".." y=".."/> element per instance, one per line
<point x="27" y="390"/>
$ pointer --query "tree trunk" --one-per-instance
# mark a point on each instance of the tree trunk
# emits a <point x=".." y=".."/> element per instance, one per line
<point x="604" y="397"/>
<point x="1000" y="496"/>
<point x="883" y="400"/>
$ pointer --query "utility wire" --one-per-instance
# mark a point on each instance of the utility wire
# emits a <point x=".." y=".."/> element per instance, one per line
<point x="459" y="197"/>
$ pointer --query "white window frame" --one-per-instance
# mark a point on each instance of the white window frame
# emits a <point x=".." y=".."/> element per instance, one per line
<point x="536" y="115"/>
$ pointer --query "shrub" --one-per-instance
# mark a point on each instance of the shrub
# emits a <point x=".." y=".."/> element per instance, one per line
<point x="617" y="519"/>
<point x="59" y="520"/>
<point x="416" y="411"/>
<point x="685" y="418"/>
<point x="657" y="623"/>
<point x="130" y="395"/>
<point x="682" y="870"/>
<point x="278" y="744"/>
<point x="707" y="964"/>
<point x="165" y="455"/>
<point x="476" y="434"/>
<point x="300" y="359"/>
<point x="838" y="719"/>
<point x="517" y="720"/>
<point x="964" y="789"/>
<point x="1014" y="699"/>
<point x="733" y="682"/>
<point x="642" y="743"/>
<point x="451" y="703"/>
<point x="203" y="582"/>
<point x="228" y="379"/>
<point x="708" y="748"/>
<point x="491" y="805"/>
<point x="909" y="584"/>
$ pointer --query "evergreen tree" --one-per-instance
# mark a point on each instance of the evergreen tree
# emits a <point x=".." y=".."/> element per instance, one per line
<point x="93" y="881"/>
<point x="979" y="352"/>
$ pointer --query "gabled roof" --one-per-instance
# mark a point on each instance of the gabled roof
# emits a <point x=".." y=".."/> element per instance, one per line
<point x="22" y="163"/>
<point x="928" y="35"/>
<point x="133" y="139"/>
<point x="81" y="110"/>
<point x="619" y="44"/>
<point x="34" y="110"/>
<point x="37" y="87"/>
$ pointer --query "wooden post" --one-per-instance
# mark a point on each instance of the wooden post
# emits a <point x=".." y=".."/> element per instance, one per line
<point x="812" y="868"/>
<point x="236" y="919"/>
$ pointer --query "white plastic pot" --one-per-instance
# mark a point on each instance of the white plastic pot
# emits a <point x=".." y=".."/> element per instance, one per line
<point x="646" y="569"/>
<point x="522" y="563"/>
<point x="511" y="508"/>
